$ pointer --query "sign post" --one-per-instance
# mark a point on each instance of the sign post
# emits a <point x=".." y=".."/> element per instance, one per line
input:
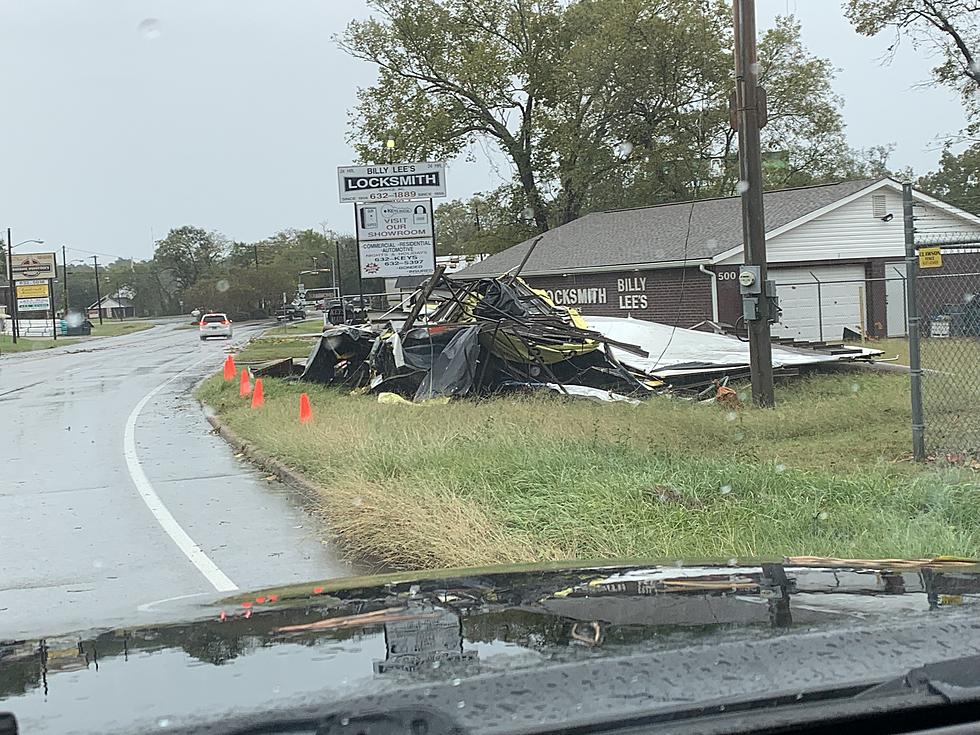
<point x="32" y="277"/>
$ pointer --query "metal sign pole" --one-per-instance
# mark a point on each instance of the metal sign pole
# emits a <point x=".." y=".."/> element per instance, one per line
<point x="54" y="319"/>
<point x="13" y="289"/>
<point x="357" y="238"/>
<point x="432" y="219"/>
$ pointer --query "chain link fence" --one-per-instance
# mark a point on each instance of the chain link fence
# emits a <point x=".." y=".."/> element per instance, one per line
<point x="947" y="307"/>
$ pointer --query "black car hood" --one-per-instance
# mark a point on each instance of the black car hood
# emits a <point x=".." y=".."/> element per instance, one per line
<point x="453" y="636"/>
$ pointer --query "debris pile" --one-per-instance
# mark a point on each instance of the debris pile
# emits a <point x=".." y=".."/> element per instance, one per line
<point x="488" y="336"/>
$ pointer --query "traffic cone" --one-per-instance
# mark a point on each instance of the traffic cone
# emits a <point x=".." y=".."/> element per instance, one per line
<point x="244" y="386"/>
<point x="305" y="412"/>
<point x="258" y="395"/>
<point x="229" y="368"/>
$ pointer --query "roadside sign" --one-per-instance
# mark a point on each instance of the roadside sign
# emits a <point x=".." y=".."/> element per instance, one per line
<point x="394" y="221"/>
<point x="391" y="182"/>
<point x="33" y="304"/>
<point x="31" y="266"/>
<point x="930" y="258"/>
<point x="393" y="258"/>
<point x="32" y="290"/>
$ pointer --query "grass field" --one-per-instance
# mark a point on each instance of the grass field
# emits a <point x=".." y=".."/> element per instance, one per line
<point x="117" y="328"/>
<point x="307" y="326"/>
<point x="512" y="480"/>
<point x="261" y="349"/>
<point x="29" y="344"/>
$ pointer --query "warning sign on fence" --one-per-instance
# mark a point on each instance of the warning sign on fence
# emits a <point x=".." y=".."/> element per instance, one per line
<point x="930" y="258"/>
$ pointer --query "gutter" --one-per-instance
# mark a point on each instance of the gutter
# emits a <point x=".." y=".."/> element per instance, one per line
<point x="714" y="291"/>
<point x="464" y="275"/>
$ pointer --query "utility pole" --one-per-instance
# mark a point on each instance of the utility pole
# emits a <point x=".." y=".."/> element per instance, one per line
<point x="64" y="276"/>
<point x="749" y="117"/>
<point x="11" y="291"/>
<point x="255" y="252"/>
<point x="98" y="290"/>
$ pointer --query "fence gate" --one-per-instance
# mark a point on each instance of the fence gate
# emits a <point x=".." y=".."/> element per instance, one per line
<point x="943" y="304"/>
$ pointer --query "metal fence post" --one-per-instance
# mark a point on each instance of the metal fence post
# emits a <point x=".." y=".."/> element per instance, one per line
<point x="912" y="309"/>
<point x="819" y="304"/>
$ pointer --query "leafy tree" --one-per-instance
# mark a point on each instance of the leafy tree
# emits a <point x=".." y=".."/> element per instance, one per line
<point x="949" y="29"/>
<point x="189" y="252"/>
<point x="483" y="224"/>
<point x="958" y="179"/>
<point x="596" y="103"/>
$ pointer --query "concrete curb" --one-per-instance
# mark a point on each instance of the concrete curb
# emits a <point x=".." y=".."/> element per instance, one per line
<point x="305" y="488"/>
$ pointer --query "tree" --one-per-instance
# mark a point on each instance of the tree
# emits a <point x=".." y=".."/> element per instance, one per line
<point x="949" y="29"/>
<point x="595" y="103"/>
<point x="958" y="179"/>
<point x="189" y="252"/>
<point x="484" y="224"/>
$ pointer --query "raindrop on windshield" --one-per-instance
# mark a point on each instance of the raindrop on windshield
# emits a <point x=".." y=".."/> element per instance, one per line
<point x="222" y="285"/>
<point x="731" y="416"/>
<point x="457" y="682"/>
<point x="624" y="149"/>
<point x="725" y="489"/>
<point x="357" y="503"/>
<point x="149" y="28"/>
<point x="435" y="664"/>
<point x="742" y="187"/>
<point x="823" y="515"/>
<point x="74" y="319"/>
<point x="855" y="387"/>
<point x="780" y="468"/>
<point x="163" y="722"/>
<point x="460" y="704"/>
<point x="345" y="721"/>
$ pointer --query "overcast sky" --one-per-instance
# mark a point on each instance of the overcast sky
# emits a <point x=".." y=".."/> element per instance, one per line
<point x="124" y="118"/>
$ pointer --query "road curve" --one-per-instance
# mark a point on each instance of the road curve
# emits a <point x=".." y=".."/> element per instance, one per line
<point x="118" y="505"/>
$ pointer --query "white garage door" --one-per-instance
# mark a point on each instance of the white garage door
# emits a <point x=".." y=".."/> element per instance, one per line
<point x="805" y="317"/>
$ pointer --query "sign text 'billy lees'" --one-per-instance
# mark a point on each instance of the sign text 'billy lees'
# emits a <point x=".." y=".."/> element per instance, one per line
<point x="631" y="295"/>
<point x="392" y="182"/>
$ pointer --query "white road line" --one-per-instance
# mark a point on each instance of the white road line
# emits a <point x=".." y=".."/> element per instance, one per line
<point x="167" y="522"/>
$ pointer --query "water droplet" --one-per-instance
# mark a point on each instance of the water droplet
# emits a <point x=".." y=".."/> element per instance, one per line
<point x="738" y="436"/>
<point x="149" y="28"/>
<point x="725" y="489"/>
<point x="426" y="692"/>
<point x="578" y="706"/>
<point x="742" y="186"/>
<point x="460" y="704"/>
<point x="357" y="503"/>
<point x="731" y="416"/>
<point x="436" y="664"/>
<point x="222" y="285"/>
<point x="780" y="468"/>
<point x="97" y="564"/>
<point x="74" y="319"/>
<point x="163" y="722"/>
<point x="799" y="696"/>
<point x="457" y="682"/>
<point x="823" y="515"/>
<point x="624" y="149"/>
<point x="345" y="721"/>
<point x="754" y="67"/>
<point x="855" y="387"/>
<point x="733" y="562"/>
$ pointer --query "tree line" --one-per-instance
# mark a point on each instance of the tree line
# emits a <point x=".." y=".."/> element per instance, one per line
<point x="605" y="104"/>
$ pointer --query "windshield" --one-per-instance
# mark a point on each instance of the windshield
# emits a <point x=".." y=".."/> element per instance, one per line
<point x="501" y="282"/>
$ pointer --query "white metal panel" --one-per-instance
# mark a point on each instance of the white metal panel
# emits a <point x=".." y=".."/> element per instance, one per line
<point x="895" y="307"/>
<point x="852" y="231"/>
<point x="807" y="317"/>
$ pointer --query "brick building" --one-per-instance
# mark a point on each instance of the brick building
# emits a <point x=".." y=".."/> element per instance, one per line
<point x="835" y="251"/>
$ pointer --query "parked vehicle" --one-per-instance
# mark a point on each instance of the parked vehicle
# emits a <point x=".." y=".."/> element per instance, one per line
<point x="291" y="312"/>
<point x="215" y="325"/>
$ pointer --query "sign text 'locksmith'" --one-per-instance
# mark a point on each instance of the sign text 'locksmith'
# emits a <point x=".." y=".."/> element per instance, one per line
<point x="392" y="182"/>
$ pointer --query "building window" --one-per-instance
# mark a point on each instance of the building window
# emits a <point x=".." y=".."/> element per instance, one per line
<point x="879" y="206"/>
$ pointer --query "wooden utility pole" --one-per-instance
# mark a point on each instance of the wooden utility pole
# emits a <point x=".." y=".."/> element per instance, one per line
<point x="749" y="118"/>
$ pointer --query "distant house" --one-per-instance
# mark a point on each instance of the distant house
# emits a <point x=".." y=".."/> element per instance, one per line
<point x="117" y="306"/>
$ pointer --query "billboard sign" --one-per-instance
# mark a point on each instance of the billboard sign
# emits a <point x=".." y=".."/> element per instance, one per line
<point x="391" y="182"/>
<point x="393" y="258"/>
<point x="31" y="266"/>
<point x="42" y="304"/>
<point x="32" y="290"/>
<point x="394" y="220"/>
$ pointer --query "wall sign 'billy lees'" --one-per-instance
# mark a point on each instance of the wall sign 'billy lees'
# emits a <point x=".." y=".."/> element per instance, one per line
<point x="391" y="182"/>
<point x="631" y="295"/>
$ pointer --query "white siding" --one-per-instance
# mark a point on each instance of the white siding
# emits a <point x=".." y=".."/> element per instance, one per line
<point x="853" y="232"/>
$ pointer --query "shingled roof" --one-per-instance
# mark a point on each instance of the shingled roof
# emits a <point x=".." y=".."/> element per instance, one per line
<point x="656" y="234"/>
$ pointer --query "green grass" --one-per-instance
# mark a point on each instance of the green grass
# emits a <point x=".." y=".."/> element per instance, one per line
<point x="29" y="344"/>
<point x="307" y="326"/>
<point x="516" y="480"/>
<point x="262" y="349"/>
<point x="117" y="328"/>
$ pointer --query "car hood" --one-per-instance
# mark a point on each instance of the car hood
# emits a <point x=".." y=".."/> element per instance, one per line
<point x="335" y="641"/>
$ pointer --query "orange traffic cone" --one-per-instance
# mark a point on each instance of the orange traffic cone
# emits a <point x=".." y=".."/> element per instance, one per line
<point x="229" y="373"/>
<point x="305" y="412"/>
<point x="258" y="395"/>
<point x="244" y="386"/>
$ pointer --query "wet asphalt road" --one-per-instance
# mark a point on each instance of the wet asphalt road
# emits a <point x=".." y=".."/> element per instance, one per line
<point x="84" y="540"/>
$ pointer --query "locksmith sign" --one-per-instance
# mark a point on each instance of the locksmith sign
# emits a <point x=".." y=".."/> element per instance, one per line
<point x="391" y="182"/>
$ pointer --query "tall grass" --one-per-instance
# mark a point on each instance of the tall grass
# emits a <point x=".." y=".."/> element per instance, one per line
<point x="509" y="480"/>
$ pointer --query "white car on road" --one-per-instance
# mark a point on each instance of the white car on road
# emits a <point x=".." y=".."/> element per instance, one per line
<point x="215" y="325"/>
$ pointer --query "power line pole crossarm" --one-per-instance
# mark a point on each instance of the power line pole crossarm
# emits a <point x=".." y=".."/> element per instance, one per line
<point x="748" y="117"/>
